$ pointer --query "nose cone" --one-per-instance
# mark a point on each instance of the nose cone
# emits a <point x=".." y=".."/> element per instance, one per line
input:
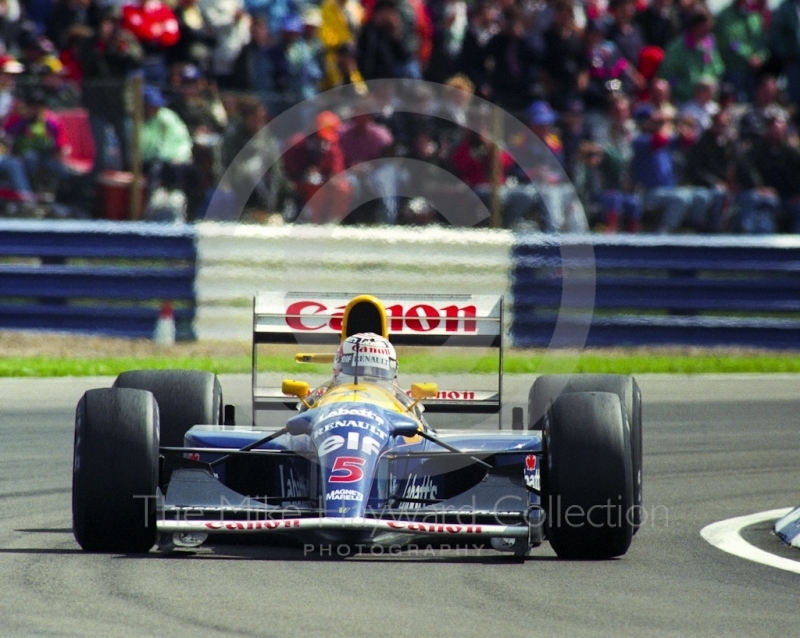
<point x="349" y="439"/>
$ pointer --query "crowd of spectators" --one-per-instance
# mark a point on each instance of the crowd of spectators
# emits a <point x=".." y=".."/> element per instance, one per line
<point x="663" y="115"/>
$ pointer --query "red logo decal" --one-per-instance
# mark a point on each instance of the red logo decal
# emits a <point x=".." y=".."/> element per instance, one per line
<point x="302" y="316"/>
<point x="530" y="462"/>
<point x="351" y="466"/>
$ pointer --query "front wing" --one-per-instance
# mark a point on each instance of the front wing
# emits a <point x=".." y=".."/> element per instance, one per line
<point x="368" y="525"/>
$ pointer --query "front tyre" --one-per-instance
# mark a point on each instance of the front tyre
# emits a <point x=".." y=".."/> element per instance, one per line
<point x="547" y="387"/>
<point x="115" y="470"/>
<point x="185" y="398"/>
<point x="589" y="488"/>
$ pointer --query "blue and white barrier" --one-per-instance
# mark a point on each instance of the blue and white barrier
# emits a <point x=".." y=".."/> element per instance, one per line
<point x="653" y="290"/>
<point x="109" y="278"/>
<point x="95" y="277"/>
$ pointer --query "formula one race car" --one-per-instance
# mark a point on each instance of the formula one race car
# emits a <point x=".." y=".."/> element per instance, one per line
<point x="159" y="460"/>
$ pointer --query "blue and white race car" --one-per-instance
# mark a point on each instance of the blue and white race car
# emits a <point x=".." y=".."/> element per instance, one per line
<point x="159" y="461"/>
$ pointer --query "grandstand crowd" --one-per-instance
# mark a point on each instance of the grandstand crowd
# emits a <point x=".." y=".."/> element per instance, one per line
<point x="666" y="116"/>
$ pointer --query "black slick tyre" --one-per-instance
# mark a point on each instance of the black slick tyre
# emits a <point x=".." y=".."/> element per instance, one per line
<point x="546" y="388"/>
<point x="115" y="471"/>
<point x="588" y="486"/>
<point x="185" y="398"/>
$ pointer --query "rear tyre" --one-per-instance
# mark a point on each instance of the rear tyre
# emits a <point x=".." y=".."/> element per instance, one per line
<point x="115" y="471"/>
<point x="185" y="398"/>
<point x="588" y="486"/>
<point x="546" y="388"/>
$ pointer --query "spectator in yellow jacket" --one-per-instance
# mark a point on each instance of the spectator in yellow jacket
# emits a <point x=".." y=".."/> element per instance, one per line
<point x="341" y="22"/>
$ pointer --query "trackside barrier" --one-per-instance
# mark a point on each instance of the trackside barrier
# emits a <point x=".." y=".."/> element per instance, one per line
<point x="95" y="277"/>
<point x="704" y="291"/>
<point x="110" y="277"/>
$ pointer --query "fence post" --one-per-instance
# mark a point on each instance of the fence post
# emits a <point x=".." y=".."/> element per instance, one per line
<point x="135" y="198"/>
<point x="496" y="220"/>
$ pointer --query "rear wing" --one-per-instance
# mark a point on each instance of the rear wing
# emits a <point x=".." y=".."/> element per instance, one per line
<point x="315" y="319"/>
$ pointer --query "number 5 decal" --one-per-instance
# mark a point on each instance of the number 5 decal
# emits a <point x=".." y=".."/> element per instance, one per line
<point x="351" y="466"/>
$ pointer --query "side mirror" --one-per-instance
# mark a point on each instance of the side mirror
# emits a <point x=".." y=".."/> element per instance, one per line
<point x="402" y="425"/>
<point x="424" y="390"/>
<point x="326" y="357"/>
<point x="299" y="389"/>
<point x="300" y="423"/>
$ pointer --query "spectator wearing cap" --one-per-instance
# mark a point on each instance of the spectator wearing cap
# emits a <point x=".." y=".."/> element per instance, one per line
<point x="543" y="184"/>
<point x="742" y="42"/>
<point x="60" y="92"/>
<point x="769" y="172"/>
<point x="541" y="120"/>
<point x="340" y="23"/>
<point x="166" y="146"/>
<point x="784" y="39"/>
<point x="654" y="175"/>
<point x="10" y="68"/>
<point x="312" y="162"/>
<point x="38" y="137"/>
<point x="199" y="108"/>
<point x="691" y="56"/>
<point x="107" y="60"/>
<point x="562" y="214"/>
<point x="154" y="24"/>
<point x="35" y="49"/>
<point x="660" y="23"/>
<point x="303" y="56"/>
<point x="258" y="66"/>
<point x="164" y="136"/>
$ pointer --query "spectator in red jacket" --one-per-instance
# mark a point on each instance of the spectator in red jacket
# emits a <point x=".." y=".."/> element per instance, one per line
<point x="156" y="27"/>
<point x="311" y="162"/>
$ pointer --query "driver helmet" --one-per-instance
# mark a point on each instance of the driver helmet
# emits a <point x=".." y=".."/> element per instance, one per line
<point x="365" y="355"/>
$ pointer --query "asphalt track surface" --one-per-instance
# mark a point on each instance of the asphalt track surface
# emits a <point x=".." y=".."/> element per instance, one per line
<point x="715" y="447"/>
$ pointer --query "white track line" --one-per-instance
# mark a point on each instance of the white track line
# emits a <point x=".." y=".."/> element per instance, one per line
<point x="726" y="536"/>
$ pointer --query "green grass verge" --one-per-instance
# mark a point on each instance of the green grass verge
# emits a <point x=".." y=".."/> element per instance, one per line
<point x="516" y="362"/>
